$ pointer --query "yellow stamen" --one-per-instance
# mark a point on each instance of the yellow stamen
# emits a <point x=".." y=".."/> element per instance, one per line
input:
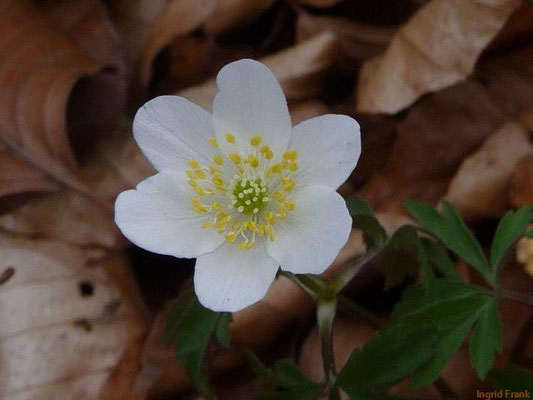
<point x="230" y="138"/>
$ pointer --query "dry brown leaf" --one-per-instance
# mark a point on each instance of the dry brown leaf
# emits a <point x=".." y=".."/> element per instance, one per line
<point x="319" y="3"/>
<point x="358" y="42"/>
<point x="65" y="323"/>
<point x="229" y="13"/>
<point x="178" y="18"/>
<point x="299" y="69"/>
<point x="521" y="193"/>
<point x="480" y="187"/>
<point x="437" y="48"/>
<point x="38" y="74"/>
<point x="134" y="19"/>
<point x="433" y="139"/>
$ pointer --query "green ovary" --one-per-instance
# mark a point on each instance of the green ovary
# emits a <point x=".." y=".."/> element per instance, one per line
<point x="250" y="196"/>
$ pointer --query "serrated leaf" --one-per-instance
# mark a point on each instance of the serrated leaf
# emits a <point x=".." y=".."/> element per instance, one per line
<point x="387" y="358"/>
<point x="513" y="377"/>
<point x="373" y="233"/>
<point x="259" y="368"/>
<point x="290" y="376"/>
<point x="400" y="258"/>
<point x="438" y="257"/>
<point x="511" y="227"/>
<point x="453" y="232"/>
<point x="448" y="345"/>
<point x="357" y="205"/>
<point x="222" y="332"/>
<point x="486" y="339"/>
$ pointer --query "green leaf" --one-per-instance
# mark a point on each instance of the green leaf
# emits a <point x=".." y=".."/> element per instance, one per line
<point x="387" y="358"/>
<point x="357" y="205"/>
<point x="260" y="369"/>
<point x="222" y="332"/>
<point x="190" y="327"/>
<point x="453" y="232"/>
<point x="486" y="339"/>
<point x="529" y="234"/>
<point x="290" y="376"/>
<point x="438" y="257"/>
<point x="514" y="377"/>
<point x="448" y="345"/>
<point x="400" y="258"/>
<point x="511" y="227"/>
<point x="363" y="219"/>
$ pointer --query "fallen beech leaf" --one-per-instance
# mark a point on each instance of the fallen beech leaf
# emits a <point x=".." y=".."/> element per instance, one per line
<point x="134" y="19"/>
<point x="479" y="188"/>
<point x="178" y="18"/>
<point x="447" y="127"/>
<point x="358" y="42"/>
<point x="38" y="74"/>
<point x="65" y="323"/>
<point x="18" y="177"/>
<point x="435" y="49"/>
<point x="521" y="192"/>
<point x="319" y="3"/>
<point x="229" y="13"/>
<point x="299" y="69"/>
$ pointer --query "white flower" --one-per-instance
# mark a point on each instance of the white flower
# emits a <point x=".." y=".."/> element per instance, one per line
<point x="240" y="189"/>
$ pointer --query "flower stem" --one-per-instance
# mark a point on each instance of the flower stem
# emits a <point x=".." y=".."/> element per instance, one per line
<point x="301" y="284"/>
<point x="364" y="315"/>
<point x="325" y="313"/>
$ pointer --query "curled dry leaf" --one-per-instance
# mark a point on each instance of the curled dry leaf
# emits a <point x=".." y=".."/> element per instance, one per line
<point x="521" y="193"/>
<point x="481" y="184"/>
<point x="300" y="70"/>
<point x="358" y="42"/>
<point x="435" y="49"/>
<point x="65" y="323"/>
<point x="134" y="19"/>
<point x="116" y="165"/>
<point x="319" y="3"/>
<point x="438" y="133"/>
<point x="178" y="18"/>
<point x="229" y="13"/>
<point x="39" y="71"/>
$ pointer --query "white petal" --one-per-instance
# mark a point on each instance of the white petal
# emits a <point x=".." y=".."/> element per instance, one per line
<point x="171" y="130"/>
<point x="311" y="236"/>
<point x="158" y="217"/>
<point x="328" y="149"/>
<point x="250" y="102"/>
<point x="230" y="279"/>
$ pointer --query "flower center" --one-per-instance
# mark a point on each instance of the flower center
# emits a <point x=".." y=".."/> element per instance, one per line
<point x="243" y="195"/>
<point x="250" y="195"/>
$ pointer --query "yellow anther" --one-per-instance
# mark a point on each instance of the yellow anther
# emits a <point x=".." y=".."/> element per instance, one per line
<point x="213" y="170"/>
<point x="230" y="237"/>
<point x="206" y="225"/>
<point x="269" y="155"/>
<point x="192" y="182"/>
<point x="289" y="205"/>
<point x="199" y="191"/>
<point x="265" y="149"/>
<point x="235" y="158"/>
<point x="217" y="181"/>
<point x="270" y="217"/>
<point x="254" y="162"/>
<point x="290" y="155"/>
<point x="242" y="245"/>
<point x="293" y="166"/>
<point x="216" y="206"/>
<point x="288" y="183"/>
<point x="230" y="138"/>
<point x="190" y="173"/>
<point x="276" y="168"/>
<point x="260" y="229"/>
<point x="255" y="140"/>
<point x="213" y="142"/>
<point x="218" y="159"/>
<point x="199" y="174"/>
<point x="194" y="164"/>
